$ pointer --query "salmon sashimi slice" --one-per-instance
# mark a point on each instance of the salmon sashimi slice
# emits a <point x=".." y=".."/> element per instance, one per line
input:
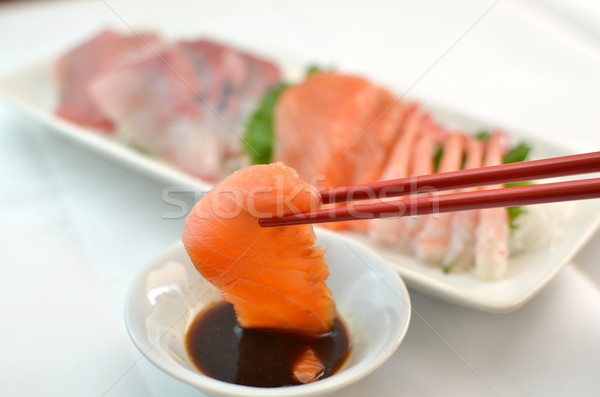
<point x="398" y="164"/>
<point x="370" y="151"/>
<point x="308" y="368"/>
<point x="336" y="130"/>
<point x="492" y="232"/>
<point x="274" y="277"/>
<point x="459" y="255"/>
<point x="76" y="69"/>
<point x="431" y="243"/>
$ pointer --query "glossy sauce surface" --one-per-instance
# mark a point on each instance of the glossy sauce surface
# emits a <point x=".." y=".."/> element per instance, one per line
<point x="223" y="350"/>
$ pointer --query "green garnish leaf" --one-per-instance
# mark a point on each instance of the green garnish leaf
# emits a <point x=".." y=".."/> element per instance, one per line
<point x="513" y="213"/>
<point x="517" y="153"/>
<point x="313" y="69"/>
<point x="514" y="184"/>
<point x="482" y="135"/>
<point x="140" y="149"/>
<point x="439" y="152"/>
<point x="259" y="137"/>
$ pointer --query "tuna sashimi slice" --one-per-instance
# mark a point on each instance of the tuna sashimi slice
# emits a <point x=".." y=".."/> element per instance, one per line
<point x="274" y="277"/>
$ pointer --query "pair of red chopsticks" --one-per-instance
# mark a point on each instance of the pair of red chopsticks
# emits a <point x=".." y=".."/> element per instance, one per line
<point x="478" y="199"/>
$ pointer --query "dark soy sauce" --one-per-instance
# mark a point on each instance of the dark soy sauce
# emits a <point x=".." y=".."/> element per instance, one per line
<point x="223" y="350"/>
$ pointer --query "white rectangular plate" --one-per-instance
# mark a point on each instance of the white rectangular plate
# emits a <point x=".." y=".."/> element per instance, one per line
<point x="32" y="90"/>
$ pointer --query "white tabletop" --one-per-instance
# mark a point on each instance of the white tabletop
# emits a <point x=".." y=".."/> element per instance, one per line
<point x="75" y="228"/>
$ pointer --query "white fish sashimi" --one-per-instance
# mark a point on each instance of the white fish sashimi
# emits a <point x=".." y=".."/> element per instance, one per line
<point x="390" y="231"/>
<point x="422" y="164"/>
<point x="459" y="255"/>
<point x="432" y="241"/>
<point x="186" y="102"/>
<point x="491" y="249"/>
<point x="492" y="232"/>
<point x="412" y="156"/>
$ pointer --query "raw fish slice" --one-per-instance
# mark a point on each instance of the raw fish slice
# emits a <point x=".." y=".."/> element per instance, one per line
<point x="371" y="149"/>
<point x="79" y="67"/>
<point x="401" y="231"/>
<point x="389" y="231"/>
<point x="232" y="73"/>
<point x="398" y="165"/>
<point x="492" y="232"/>
<point x="336" y="130"/>
<point x="422" y="164"/>
<point x="459" y="255"/>
<point x="308" y="368"/>
<point x="403" y="112"/>
<point x="274" y="277"/>
<point x="431" y="243"/>
<point x="187" y="104"/>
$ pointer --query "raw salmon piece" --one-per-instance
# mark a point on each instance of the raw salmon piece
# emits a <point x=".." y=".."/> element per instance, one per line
<point x="492" y="232"/>
<point x="274" y="277"/>
<point x="79" y="67"/>
<point x="308" y="368"/>
<point x="398" y="164"/>
<point x="431" y="243"/>
<point x="336" y="130"/>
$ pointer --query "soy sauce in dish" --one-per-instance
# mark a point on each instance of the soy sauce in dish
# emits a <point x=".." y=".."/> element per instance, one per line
<point x="223" y="350"/>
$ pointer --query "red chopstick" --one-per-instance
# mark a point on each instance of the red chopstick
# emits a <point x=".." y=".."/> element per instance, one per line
<point x="515" y="172"/>
<point x="430" y="203"/>
<point x="422" y="205"/>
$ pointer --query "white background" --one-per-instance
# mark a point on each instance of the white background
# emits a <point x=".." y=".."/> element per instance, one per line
<point x="75" y="229"/>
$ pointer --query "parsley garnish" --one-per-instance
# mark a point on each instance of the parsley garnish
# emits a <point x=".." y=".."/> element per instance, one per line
<point x="259" y="137"/>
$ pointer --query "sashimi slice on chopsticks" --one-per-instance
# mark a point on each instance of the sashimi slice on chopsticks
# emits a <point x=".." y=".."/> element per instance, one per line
<point x="274" y="277"/>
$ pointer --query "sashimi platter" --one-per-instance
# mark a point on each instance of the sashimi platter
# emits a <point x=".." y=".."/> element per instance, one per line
<point x="261" y="143"/>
